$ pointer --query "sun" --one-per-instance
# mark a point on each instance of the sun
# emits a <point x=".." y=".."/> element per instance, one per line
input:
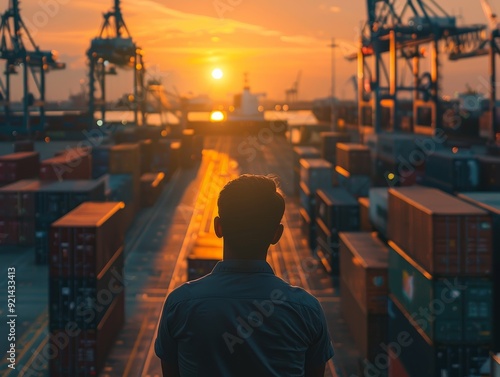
<point x="217" y="73"/>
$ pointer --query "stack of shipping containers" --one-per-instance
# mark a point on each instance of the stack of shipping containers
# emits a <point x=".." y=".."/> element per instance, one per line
<point x="336" y="211"/>
<point x="354" y="168"/>
<point x="440" y="284"/>
<point x="86" y="287"/>
<point x="315" y="173"/>
<point x="298" y="154"/>
<point x="490" y="202"/>
<point x="329" y="142"/>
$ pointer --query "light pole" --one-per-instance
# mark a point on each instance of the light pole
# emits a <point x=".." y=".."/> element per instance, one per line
<point x="333" y="112"/>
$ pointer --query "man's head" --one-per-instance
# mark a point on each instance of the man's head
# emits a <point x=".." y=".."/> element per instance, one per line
<point x="250" y="212"/>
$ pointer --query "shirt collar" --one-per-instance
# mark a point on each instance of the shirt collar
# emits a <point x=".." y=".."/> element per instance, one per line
<point x="243" y="265"/>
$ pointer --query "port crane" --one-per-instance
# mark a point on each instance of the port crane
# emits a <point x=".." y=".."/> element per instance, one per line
<point x="114" y="48"/>
<point x="402" y="29"/>
<point x="21" y="53"/>
<point x="292" y="94"/>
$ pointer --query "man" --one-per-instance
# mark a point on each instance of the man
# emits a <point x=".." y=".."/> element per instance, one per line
<point x="241" y="319"/>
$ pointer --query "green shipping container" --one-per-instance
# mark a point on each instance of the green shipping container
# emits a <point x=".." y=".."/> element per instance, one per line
<point x="448" y="310"/>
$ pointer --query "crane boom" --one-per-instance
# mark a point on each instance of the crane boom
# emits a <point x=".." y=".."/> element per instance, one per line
<point x="490" y="15"/>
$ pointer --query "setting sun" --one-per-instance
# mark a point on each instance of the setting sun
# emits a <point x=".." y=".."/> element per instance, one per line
<point x="217" y="73"/>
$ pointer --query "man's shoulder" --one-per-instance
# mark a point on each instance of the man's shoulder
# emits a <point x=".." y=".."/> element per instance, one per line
<point x="299" y="296"/>
<point x="188" y="290"/>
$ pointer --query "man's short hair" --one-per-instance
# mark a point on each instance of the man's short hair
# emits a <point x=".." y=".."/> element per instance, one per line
<point x="250" y="209"/>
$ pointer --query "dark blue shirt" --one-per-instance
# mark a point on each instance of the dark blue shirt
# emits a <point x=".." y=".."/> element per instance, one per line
<point x="242" y="320"/>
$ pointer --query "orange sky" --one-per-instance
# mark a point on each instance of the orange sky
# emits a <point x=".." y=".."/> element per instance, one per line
<point x="185" y="40"/>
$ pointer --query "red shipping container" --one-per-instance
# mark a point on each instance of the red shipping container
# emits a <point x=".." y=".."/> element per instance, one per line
<point x="67" y="166"/>
<point x="443" y="234"/>
<point x="17" y="166"/>
<point x="363" y="267"/>
<point x="17" y="232"/>
<point x="82" y="353"/>
<point x="83" y="241"/>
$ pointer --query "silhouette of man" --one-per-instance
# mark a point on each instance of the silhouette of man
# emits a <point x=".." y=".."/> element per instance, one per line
<point x="241" y="319"/>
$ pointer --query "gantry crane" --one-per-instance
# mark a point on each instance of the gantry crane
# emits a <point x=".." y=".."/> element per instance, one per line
<point x="401" y="29"/>
<point x="114" y="48"/>
<point x="28" y="58"/>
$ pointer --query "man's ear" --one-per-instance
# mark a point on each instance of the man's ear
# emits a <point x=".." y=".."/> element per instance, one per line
<point x="277" y="234"/>
<point x="217" y="227"/>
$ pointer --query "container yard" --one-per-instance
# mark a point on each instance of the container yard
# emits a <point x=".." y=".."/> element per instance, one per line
<point x="392" y="200"/>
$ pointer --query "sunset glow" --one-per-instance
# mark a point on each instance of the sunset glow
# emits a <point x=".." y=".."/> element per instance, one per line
<point x="217" y="73"/>
<point x="270" y="40"/>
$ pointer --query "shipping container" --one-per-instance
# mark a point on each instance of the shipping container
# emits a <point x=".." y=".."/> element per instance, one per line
<point x="364" y="215"/>
<point x="338" y="209"/>
<point x="490" y="201"/>
<point x="151" y="188"/>
<point x="83" y="241"/>
<point x="298" y="154"/>
<point x="452" y="172"/>
<point x="398" y="147"/>
<point x="329" y="142"/>
<point x="316" y="173"/>
<point x="398" y="173"/>
<point x="327" y="248"/>
<point x="379" y="198"/>
<point x="17" y="231"/>
<point x="363" y="268"/>
<point x="146" y="152"/>
<point x="462" y="308"/>
<point x="307" y="199"/>
<point x="357" y="185"/>
<point x="421" y="358"/>
<point x="489" y="167"/>
<point x="443" y="234"/>
<point x="308" y="228"/>
<point x="100" y="160"/>
<point x="85" y="300"/>
<point x="368" y="330"/>
<point x="85" y="351"/>
<point x="24" y="146"/>
<point x="74" y="165"/>
<point x="204" y="255"/>
<point x="354" y="158"/>
<point x="18" y="166"/>
<point x="126" y="159"/>
<point x="119" y="188"/>
<point x="18" y="199"/>
<point x="57" y="199"/>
